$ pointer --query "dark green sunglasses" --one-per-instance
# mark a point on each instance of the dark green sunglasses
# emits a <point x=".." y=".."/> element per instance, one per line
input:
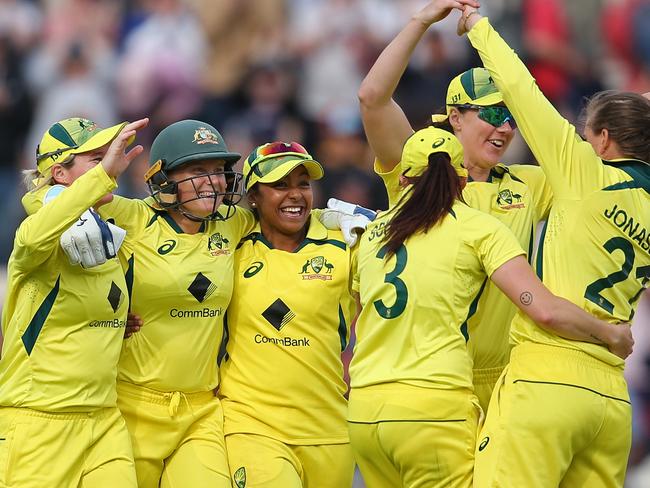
<point x="495" y="115"/>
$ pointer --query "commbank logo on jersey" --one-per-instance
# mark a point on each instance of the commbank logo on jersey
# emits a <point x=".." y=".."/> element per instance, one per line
<point x="240" y="477"/>
<point x="317" y="264"/>
<point x="507" y="200"/>
<point x="201" y="288"/>
<point x="217" y="244"/>
<point x="115" y="296"/>
<point x="278" y="314"/>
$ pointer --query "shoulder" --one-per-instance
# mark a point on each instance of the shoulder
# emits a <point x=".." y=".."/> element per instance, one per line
<point x="475" y="221"/>
<point x="526" y="173"/>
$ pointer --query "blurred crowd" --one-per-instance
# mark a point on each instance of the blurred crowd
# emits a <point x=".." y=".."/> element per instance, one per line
<point x="262" y="70"/>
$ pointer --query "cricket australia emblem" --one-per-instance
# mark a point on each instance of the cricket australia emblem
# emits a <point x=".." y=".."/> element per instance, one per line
<point x="507" y="200"/>
<point x="203" y="135"/>
<point x="317" y="268"/>
<point x="217" y="244"/>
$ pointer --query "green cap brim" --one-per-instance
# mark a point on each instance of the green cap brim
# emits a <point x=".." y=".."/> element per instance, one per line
<point x="102" y="138"/>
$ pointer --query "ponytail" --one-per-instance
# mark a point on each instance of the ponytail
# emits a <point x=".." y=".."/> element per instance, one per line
<point x="427" y="202"/>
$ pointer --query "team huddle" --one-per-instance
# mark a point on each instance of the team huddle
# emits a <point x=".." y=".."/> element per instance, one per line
<point x="183" y="340"/>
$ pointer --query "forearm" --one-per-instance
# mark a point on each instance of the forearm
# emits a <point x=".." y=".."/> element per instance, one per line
<point x="381" y="81"/>
<point x="551" y="138"/>
<point x="40" y="233"/>
<point x="571" y="322"/>
<point x="385" y="123"/>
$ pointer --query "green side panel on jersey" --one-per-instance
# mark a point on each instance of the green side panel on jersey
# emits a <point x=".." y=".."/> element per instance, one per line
<point x="128" y="277"/>
<point x="472" y="310"/>
<point x="343" y="330"/>
<point x="539" y="264"/>
<point x="531" y="245"/>
<point x="34" y="328"/>
<point x="640" y="173"/>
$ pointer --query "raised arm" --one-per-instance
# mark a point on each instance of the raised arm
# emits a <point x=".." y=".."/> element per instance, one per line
<point x="571" y="165"/>
<point x="39" y="234"/>
<point x="516" y="279"/>
<point x="385" y="124"/>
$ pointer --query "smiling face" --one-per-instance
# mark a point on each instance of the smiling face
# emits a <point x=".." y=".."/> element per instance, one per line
<point x="484" y="145"/>
<point x="201" y="185"/>
<point x="284" y="206"/>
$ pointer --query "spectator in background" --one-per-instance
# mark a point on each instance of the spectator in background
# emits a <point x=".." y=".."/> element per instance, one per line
<point x="74" y="87"/>
<point x="625" y="27"/>
<point x="342" y="146"/>
<point x="15" y="117"/>
<point x="160" y="69"/>
<point x="240" y="34"/>
<point x="268" y="109"/>
<point x="562" y="72"/>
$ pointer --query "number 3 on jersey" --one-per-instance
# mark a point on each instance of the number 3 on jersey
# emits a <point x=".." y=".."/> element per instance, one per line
<point x="392" y="278"/>
<point x="593" y="291"/>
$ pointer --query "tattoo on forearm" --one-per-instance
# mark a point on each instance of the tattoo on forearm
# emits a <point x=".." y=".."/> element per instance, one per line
<point x="526" y="298"/>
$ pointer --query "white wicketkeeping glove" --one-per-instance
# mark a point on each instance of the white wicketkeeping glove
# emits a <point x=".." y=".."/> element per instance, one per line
<point x="349" y="218"/>
<point x="90" y="241"/>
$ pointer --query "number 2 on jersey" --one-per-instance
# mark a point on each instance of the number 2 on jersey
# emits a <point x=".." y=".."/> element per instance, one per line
<point x="593" y="291"/>
<point x="401" y="292"/>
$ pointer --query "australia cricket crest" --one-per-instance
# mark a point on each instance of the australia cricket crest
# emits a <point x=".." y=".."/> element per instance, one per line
<point x="217" y="244"/>
<point x="317" y="268"/>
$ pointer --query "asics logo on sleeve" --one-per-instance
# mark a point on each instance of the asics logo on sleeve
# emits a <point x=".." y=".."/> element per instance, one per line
<point x="484" y="443"/>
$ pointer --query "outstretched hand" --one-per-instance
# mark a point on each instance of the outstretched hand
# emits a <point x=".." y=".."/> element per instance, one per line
<point x="117" y="159"/>
<point x="437" y="10"/>
<point x="470" y="16"/>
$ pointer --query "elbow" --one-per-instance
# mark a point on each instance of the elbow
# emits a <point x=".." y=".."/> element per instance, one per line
<point x="546" y="318"/>
<point x="368" y="95"/>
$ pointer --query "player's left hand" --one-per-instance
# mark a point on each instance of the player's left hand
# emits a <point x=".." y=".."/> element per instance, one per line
<point x="133" y="325"/>
<point x="468" y="18"/>
<point x="349" y="218"/>
<point x="621" y="341"/>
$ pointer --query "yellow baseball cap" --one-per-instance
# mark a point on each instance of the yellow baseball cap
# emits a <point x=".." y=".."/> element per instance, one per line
<point x="431" y="140"/>
<point x="273" y="161"/>
<point x="472" y="87"/>
<point x="72" y="136"/>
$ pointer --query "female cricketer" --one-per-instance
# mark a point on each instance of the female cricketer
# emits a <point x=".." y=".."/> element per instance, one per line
<point x="561" y="415"/>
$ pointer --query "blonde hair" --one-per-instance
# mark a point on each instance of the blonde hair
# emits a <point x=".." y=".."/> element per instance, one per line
<point x="34" y="180"/>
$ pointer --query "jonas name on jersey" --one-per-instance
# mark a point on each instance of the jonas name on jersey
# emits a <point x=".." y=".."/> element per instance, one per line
<point x="630" y="225"/>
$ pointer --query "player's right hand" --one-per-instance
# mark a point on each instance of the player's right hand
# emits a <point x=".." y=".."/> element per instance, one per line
<point x="621" y="341"/>
<point x="117" y="159"/>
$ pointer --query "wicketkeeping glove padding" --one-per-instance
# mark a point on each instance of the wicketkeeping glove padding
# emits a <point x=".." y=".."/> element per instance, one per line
<point x="351" y="219"/>
<point x="90" y="241"/>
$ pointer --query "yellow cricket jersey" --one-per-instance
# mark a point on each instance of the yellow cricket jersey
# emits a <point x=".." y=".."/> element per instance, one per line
<point x="180" y="285"/>
<point x="519" y="197"/>
<point x="413" y="325"/>
<point x="62" y="324"/>
<point x="288" y="322"/>
<point x="595" y="248"/>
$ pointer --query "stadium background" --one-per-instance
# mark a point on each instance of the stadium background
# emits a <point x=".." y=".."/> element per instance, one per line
<point x="262" y="70"/>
